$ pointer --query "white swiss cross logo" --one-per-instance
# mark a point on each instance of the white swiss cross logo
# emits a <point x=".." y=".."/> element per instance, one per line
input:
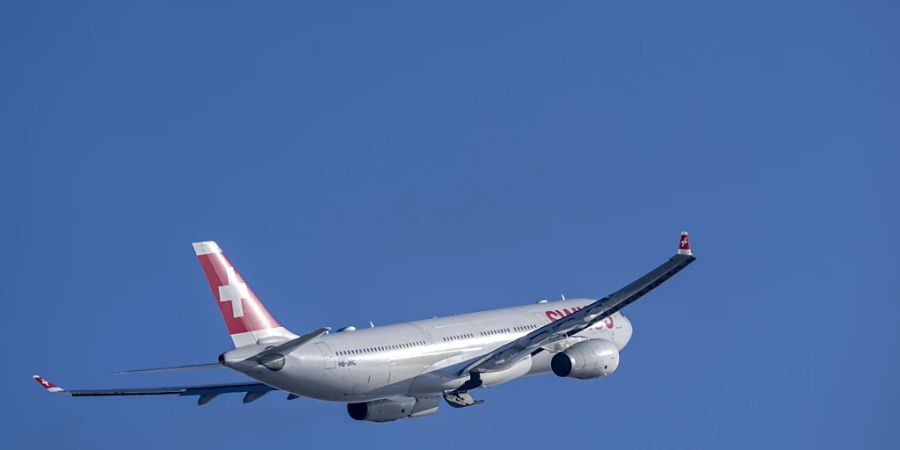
<point x="45" y="382"/>
<point x="233" y="292"/>
<point x="684" y="242"/>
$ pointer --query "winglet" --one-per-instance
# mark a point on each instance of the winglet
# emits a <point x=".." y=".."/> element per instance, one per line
<point x="50" y="387"/>
<point x="684" y="245"/>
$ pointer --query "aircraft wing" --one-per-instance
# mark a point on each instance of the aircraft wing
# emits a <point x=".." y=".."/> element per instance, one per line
<point x="503" y="357"/>
<point x="205" y="392"/>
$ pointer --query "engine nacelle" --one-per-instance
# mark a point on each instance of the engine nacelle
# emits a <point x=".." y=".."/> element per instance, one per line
<point x="394" y="408"/>
<point x="587" y="359"/>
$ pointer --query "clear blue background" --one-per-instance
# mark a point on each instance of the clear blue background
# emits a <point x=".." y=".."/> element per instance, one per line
<point x="394" y="161"/>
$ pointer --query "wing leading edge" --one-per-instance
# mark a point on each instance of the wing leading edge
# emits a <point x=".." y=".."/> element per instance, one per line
<point x="506" y="355"/>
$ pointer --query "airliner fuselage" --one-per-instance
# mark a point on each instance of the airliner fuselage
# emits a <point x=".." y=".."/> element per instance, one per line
<point x="407" y="359"/>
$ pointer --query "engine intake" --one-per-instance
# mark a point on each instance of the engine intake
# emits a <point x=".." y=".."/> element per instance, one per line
<point x="587" y="359"/>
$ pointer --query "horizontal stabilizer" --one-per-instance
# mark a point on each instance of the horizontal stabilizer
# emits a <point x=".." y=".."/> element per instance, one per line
<point x="291" y="345"/>
<point x="272" y="358"/>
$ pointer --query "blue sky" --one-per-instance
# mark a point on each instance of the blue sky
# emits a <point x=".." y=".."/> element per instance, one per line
<point x="394" y="161"/>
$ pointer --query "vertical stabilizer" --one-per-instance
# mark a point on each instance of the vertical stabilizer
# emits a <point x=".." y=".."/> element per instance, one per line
<point x="247" y="319"/>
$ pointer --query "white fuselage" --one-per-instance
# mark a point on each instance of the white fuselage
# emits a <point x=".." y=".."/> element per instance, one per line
<point x="422" y="358"/>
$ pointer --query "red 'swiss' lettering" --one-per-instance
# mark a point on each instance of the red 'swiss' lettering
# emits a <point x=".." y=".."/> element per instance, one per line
<point x="556" y="314"/>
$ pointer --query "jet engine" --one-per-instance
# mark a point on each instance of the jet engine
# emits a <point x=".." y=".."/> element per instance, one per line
<point x="587" y="359"/>
<point x="395" y="408"/>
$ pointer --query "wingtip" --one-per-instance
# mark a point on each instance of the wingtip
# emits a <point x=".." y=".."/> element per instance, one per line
<point x="46" y="384"/>
<point x="684" y="244"/>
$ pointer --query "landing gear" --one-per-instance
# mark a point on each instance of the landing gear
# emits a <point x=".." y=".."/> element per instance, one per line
<point x="460" y="399"/>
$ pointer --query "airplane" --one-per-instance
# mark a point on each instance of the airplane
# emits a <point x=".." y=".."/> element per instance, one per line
<point x="398" y="371"/>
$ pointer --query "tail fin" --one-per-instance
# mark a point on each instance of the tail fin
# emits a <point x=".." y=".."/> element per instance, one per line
<point x="245" y="316"/>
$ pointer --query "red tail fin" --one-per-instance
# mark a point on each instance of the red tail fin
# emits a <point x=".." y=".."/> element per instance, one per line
<point x="247" y="319"/>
